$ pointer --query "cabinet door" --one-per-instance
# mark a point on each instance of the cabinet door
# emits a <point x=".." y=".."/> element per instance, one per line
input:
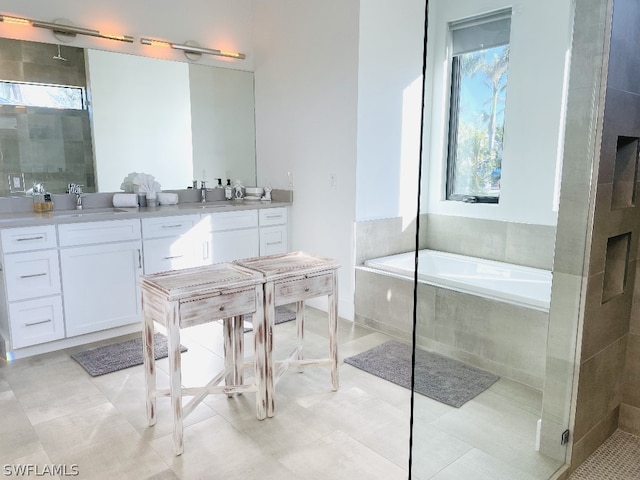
<point x="233" y="245"/>
<point x="36" y="321"/>
<point x="273" y="240"/>
<point x="100" y="286"/>
<point x="163" y="254"/>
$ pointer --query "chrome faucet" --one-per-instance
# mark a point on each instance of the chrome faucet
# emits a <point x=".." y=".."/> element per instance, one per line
<point x="203" y="191"/>
<point x="73" y="189"/>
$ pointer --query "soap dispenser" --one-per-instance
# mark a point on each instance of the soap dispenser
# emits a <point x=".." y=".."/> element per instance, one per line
<point x="41" y="199"/>
<point x="228" y="190"/>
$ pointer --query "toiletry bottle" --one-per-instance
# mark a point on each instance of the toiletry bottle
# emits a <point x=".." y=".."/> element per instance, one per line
<point x="228" y="190"/>
<point x="219" y="185"/>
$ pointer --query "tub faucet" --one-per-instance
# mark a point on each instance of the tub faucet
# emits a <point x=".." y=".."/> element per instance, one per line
<point x="73" y="189"/>
<point x="203" y="191"/>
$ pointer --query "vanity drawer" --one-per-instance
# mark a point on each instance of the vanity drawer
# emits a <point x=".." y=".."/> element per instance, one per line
<point x="88" y="233"/>
<point x="32" y="274"/>
<point x="36" y="321"/>
<point x="28" y="238"/>
<point x="303" y="288"/>
<point x="201" y="310"/>
<point x="163" y="254"/>
<point x="169" y="226"/>
<point x="273" y="216"/>
<point x="221" y="221"/>
<point x="273" y="240"/>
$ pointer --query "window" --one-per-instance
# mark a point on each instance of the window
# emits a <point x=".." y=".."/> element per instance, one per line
<point x="39" y="95"/>
<point x="479" y="67"/>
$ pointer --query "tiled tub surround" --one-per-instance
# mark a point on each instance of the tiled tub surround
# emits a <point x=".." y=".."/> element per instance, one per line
<point x="508" y="340"/>
<point x="501" y="337"/>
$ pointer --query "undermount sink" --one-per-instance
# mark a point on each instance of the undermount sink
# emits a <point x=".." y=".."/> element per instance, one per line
<point x="87" y="212"/>
<point x="203" y="205"/>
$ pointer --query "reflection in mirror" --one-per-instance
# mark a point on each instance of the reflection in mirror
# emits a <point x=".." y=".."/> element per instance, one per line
<point x="177" y="121"/>
<point x="43" y="143"/>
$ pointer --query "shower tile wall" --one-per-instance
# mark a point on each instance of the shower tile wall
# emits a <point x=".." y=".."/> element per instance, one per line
<point x="609" y="364"/>
<point x="47" y="145"/>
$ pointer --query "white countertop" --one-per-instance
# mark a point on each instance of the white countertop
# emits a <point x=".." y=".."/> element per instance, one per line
<point x="22" y="219"/>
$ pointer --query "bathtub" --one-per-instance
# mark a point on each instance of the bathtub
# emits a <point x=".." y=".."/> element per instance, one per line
<point x="488" y="314"/>
<point x="515" y="284"/>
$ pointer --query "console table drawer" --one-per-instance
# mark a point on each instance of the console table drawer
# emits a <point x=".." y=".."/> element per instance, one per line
<point x="204" y="309"/>
<point x="303" y="288"/>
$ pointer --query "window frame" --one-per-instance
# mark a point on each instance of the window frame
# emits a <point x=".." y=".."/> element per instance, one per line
<point x="82" y="90"/>
<point x="454" y="108"/>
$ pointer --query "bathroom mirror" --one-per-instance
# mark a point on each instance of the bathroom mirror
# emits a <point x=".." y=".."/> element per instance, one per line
<point x="175" y="120"/>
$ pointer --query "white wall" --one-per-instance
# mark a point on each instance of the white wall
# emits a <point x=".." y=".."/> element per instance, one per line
<point x="306" y="106"/>
<point x="141" y="119"/>
<point x="219" y="24"/>
<point x="389" y="100"/>
<point x="540" y="39"/>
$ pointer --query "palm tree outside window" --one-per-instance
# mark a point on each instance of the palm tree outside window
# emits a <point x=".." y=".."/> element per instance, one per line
<point x="479" y="73"/>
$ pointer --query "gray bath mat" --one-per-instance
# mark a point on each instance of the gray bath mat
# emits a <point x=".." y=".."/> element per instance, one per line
<point x="443" y="379"/>
<point x="283" y="314"/>
<point x="118" y="356"/>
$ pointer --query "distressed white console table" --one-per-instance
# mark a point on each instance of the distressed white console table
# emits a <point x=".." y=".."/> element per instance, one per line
<point x="296" y="277"/>
<point x="185" y="298"/>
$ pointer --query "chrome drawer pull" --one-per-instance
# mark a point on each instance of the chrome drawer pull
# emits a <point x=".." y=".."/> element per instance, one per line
<point x="31" y="324"/>
<point x="273" y="216"/>
<point x="172" y="226"/>
<point x="34" y="275"/>
<point x="274" y="243"/>
<point x="29" y="238"/>
<point x="175" y="256"/>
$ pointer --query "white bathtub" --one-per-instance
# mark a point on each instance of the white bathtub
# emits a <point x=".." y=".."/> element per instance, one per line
<point x="524" y="286"/>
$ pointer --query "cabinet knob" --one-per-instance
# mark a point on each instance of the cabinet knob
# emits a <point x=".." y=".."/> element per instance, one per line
<point x="306" y="289"/>
<point x="221" y="309"/>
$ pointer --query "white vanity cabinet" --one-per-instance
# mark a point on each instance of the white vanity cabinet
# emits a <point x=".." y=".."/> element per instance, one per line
<point x="100" y="264"/>
<point x="274" y="232"/>
<point x="231" y="235"/>
<point x="32" y="306"/>
<point x="173" y="243"/>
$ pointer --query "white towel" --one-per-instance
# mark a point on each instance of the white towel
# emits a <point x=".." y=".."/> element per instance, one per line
<point x="166" y="198"/>
<point x="125" y="200"/>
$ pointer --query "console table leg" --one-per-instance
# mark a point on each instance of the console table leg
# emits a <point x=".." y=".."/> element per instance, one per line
<point x="149" y="366"/>
<point x="175" y="375"/>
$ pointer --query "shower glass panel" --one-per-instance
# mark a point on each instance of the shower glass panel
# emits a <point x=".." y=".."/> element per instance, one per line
<point x="491" y="393"/>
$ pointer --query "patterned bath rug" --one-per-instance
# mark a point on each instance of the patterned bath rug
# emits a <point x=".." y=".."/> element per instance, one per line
<point x="118" y="356"/>
<point x="443" y="379"/>
<point x="283" y="314"/>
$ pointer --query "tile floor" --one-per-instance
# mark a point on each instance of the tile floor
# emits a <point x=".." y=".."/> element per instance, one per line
<point x="54" y="413"/>
<point x="617" y="459"/>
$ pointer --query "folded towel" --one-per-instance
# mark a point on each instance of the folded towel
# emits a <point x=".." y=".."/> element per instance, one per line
<point x="125" y="200"/>
<point x="165" y="198"/>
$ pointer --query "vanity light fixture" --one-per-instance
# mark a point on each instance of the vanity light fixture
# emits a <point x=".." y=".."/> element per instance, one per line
<point x="191" y="50"/>
<point x="63" y="29"/>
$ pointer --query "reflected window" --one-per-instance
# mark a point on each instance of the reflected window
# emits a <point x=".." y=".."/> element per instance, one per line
<point x="40" y="95"/>
<point x="479" y="74"/>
